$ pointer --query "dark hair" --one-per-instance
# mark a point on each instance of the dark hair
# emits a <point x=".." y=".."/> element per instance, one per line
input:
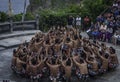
<point x="37" y="40"/>
<point x="34" y="62"/>
<point x="24" y="49"/>
<point x="85" y="48"/>
<point x="80" y="36"/>
<point x="14" y="51"/>
<point x="81" y="60"/>
<point x="47" y="41"/>
<point x="94" y="41"/>
<point x="75" y="37"/>
<point x="51" y="31"/>
<point x="100" y="52"/>
<point x="53" y="60"/>
<point x="20" y="56"/>
<point x="68" y="63"/>
<point x="68" y="39"/>
<point x="113" y="50"/>
<point x="64" y="57"/>
<point x="30" y="53"/>
<point x="56" y="40"/>
<point x="102" y="44"/>
<point x="106" y="55"/>
<point x="90" y="58"/>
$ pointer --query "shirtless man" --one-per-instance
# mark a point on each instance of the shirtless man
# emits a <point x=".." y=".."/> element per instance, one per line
<point x="92" y="51"/>
<point x="113" y="60"/>
<point x="76" y="44"/>
<point x="92" y="65"/>
<point x="76" y="41"/>
<point x="19" y="65"/>
<point x="104" y="61"/>
<point x="57" y="47"/>
<point x="68" y="68"/>
<point x="35" y="45"/>
<point x="41" y="66"/>
<point x="67" y="45"/>
<point x="14" y="58"/>
<point x="54" y="70"/>
<point x="47" y="44"/>
<point x="82" y="71"/>
<point x="34" y="63"/>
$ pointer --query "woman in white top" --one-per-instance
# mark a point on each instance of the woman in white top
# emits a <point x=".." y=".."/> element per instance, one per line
<point x="103" y="29"/>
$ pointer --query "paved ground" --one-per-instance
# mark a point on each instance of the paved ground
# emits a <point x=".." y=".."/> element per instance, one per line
<point x="9" y="42"/>
<point x="6" y="72"/>
<point x="13" y="39"/>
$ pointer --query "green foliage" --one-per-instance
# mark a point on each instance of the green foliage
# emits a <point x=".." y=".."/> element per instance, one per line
<point x="95" y="7"/>
<point x="3" y="17"/>
<point x="58" y="16"/>
<point x="17" y="17"/>
<point x="49" y="18"/>
<point x="29" y="16"/>
<point x="60" y="9"/>
<point x="35" y="2"/>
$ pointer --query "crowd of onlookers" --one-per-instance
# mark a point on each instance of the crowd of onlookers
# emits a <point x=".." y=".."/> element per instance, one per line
<point x="107" y="26"/>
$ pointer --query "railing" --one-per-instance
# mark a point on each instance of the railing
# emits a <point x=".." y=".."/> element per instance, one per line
<point x="12" y="26"/>
<point x="5" y="27"/>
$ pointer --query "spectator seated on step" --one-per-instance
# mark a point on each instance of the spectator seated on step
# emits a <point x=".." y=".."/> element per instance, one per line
<point x="116" y="38"/>
<point x="89" y="32"/>
<point x="103" y="29"/>
<point x="95" y="33"/>
<point x="115" y="4"/>
<point x="109" y="34"/>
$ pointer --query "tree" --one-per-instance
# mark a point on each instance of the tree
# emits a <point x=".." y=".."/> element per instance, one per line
<point x="95" y="7"/>
<point x="3" y="17"/>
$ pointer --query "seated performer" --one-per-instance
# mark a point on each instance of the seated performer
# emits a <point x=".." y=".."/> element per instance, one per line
<point x="54" y="69"/>
<point x="113" y="60"/>
<point x="104" y="60"/>
<point x="49" y="55"/>
<point x="34" y="64"/>
<point x="57" y="47"/>
<point x="20" y="65"/>
<point x="92" y="66"/>
<point x="68" y="68"/>
<point x="82" y="71"/>
<point x="14" y="58"/>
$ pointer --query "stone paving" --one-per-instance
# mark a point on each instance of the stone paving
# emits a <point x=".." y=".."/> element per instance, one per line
<point x="6" y="72"/>
<point x="13" y="39"/>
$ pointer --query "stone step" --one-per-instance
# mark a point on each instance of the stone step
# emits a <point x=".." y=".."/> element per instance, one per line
<point x="17" y="34"/>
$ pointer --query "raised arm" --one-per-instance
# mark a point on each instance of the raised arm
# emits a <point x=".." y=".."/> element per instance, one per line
<point x="74" y="59"/>
<point x="88" y="60"/>
<point x="62" y="62"/>
<point x="100" y="55"/>
<point x="48" y="64"/>
<point x="71" y="62"/>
